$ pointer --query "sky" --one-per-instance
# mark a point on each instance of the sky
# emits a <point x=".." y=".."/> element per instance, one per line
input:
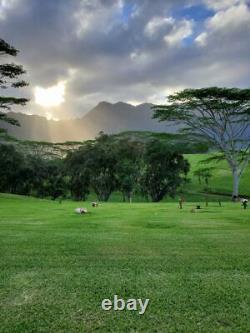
<point x="78" y="53"/>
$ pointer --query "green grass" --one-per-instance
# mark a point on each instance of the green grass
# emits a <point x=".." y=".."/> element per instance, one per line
<point x="57" y="266"/>
<point x="221" y="181"/>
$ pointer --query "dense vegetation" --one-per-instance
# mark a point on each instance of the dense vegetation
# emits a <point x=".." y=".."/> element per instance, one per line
<point x="48" y="171"/>
<point x="104" y="165"/>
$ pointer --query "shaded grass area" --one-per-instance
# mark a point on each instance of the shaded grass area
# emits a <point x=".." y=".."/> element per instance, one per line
<point x="187" y="194"/>
<point x="221" y="181"/>
<point x="57" y="266"/>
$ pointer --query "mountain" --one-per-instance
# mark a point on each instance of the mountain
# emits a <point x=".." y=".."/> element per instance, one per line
<point x="106" y="117"/>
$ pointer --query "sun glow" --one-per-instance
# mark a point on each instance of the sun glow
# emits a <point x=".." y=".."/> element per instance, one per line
<point x="51" y="96"/>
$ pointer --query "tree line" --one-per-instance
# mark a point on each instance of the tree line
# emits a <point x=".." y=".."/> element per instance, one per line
<point x="151" y="169"/>
<point x="218" y="116"/>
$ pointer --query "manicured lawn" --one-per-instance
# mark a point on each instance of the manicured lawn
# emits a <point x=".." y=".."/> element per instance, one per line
<point x="57" y="267"/>
<point x="221" y="181"/>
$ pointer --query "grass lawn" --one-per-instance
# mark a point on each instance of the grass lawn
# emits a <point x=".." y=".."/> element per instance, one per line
<point x="221" y="181"/>
<point x="57" y="267"/>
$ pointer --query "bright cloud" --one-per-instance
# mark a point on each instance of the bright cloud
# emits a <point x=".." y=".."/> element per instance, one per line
<point x="179" y="32"/>
<point x="201" y="39"/>
<point x="226" y="21"/>
<point x="230" y="18"/>
<point x="5" y="5"/>
<point x="172" y="31"/>
<point x="156" y="24"/>
<point x="222" y="4"/>
<point x="52" y="96"/>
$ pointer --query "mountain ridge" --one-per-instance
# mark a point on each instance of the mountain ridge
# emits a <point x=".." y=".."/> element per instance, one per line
<point x="111" y="118"/>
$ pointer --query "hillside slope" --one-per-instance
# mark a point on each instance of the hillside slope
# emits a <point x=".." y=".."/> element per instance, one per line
<point x="106" y="117"/>
<point x="221" y="180"/>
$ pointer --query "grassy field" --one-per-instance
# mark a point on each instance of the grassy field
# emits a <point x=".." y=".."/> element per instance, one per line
<point x="57" y="267"/>
<point x="221" y="181"/>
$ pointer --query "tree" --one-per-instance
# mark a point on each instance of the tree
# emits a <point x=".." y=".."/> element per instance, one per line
<point x="54" y="182"/>
<point x="79" y="175"/>
<point x="204" y="173"/>
<point x="129" y="165"/>
<point x="10" y="165"/>
<point x="198" y="174"/>
<point x="219" y="115"/>
<point x="101" y="163"/>
<point x="165" y="170"/>
<point x="9" y="78"/>
<point x="93" y="166"/>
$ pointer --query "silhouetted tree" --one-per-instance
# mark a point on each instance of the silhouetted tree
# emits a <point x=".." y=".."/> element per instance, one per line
<point x="78" y="171"/>
<point x="9" y="78"/>
<point x="11" y="163"/>
<point x="102" y="163"/>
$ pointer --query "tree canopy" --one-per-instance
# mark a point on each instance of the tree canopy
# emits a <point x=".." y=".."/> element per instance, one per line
<point x="219" y="115"/>
<point x="10" y="78"/>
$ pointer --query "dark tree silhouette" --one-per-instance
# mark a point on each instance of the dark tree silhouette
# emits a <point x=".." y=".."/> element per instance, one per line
<point x="10" y="78"/>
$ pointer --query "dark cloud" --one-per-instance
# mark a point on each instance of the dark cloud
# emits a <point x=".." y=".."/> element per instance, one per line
<point x="127" y="50"/>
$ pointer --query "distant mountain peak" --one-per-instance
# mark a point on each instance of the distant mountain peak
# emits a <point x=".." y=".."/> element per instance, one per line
<point x="144" y="105"/>
<point x="103" y="103"/>
<point x="122" y="104"/>
<point x="111" y="118"/>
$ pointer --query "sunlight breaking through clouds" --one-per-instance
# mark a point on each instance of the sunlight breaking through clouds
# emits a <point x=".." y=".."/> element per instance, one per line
<point x="52" y="96"/>
<point x="123" y="50"/>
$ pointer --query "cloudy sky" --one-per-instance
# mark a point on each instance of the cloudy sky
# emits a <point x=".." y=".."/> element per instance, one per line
<point x="80" y="52"/>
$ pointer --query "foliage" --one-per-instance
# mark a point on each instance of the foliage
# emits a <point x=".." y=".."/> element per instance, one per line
<point x="102" y="162"/>
<point x="76" y="168"/>
<point x="30" y="175"/>
<point x="164" y="172"/>
<point x="129" y="166"/>
<point x="9" y="78"/>
<point x="10" y="168"/>
<point x="204" y="173"/>
<point x="126" y="165"/>
<point x="177" y="142"/>
<point x="103" y="165"/>
<point x="219" y="115"/>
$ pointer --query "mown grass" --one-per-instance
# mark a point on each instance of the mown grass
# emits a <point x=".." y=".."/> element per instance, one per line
<point x="221" y="180"/>
<point x="57" y="266"/>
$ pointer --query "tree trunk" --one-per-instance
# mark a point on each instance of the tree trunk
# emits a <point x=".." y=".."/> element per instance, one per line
<point x="103" y="196"/>
<point x="236" y="181"/>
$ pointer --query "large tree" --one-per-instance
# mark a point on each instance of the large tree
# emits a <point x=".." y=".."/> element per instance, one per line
<point x="101" y="162"/>
<point x="164" y="172"/>
<point x="10" y="78"/>
<point x="93" y="166"/>
<point x="219" y="115"/>
<point x="79" y="174"/>
<point x="11" y="163"/>
<point x="129" y="165"/>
